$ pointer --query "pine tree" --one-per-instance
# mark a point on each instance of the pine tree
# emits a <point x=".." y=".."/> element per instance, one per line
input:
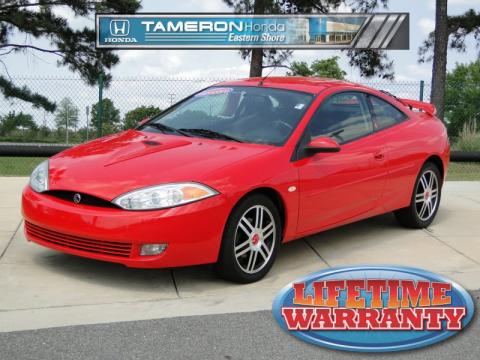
<point x="369" y="62"/>
<point x="451" y="32"/>
<point x="75" y="49"/>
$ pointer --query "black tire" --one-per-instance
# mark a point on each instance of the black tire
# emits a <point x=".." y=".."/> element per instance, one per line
<point x="233" y="268"/>
<point x="411" y="216"/>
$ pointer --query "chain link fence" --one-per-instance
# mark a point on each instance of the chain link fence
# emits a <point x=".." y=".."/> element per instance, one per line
<point x="125" y="101"/>
<point x="74" y="120"/>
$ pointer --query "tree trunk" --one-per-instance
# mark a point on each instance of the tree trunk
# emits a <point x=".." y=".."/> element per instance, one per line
<point x="439" y="69"/>
<point x="256" y="62"/>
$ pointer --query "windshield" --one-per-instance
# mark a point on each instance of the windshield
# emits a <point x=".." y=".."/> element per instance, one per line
<point x="245" y="114"/>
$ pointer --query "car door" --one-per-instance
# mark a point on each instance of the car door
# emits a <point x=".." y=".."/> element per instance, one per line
<point x="402" y="147"/>
<point x="334" y="187"/>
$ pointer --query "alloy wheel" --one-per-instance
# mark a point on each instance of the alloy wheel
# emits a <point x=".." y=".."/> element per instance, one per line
<point x="426" y="195"/>
<point x="255" y="239"/>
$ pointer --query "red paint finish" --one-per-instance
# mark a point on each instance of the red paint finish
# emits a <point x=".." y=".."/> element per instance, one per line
<point x="427" y="108"/>
<point x="341" y="185"/>
<point x="368" y="176"/>
<point x="190" y="231"/>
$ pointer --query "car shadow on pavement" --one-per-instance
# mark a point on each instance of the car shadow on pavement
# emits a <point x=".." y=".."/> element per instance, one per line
<point x="109" y="275"/>
<point x="372" y="240"/>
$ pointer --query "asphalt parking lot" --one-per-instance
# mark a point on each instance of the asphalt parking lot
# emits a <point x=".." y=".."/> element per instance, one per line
<point x="41" y="288"/>
<point x="253" y="335"/>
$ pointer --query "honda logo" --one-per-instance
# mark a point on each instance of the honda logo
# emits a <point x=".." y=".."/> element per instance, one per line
<point x="119" y="27"/>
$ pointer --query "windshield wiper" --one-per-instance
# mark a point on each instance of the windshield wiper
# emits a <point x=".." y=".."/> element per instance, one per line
<point x="164" y="128"/>
<point x="210" y="134"/>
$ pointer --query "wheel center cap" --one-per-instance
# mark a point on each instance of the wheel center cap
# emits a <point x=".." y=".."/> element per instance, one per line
<point x="427" y="195"/>
<point x="255" y="239"/>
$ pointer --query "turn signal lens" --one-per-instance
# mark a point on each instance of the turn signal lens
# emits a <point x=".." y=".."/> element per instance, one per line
<point x="192" y="192"/>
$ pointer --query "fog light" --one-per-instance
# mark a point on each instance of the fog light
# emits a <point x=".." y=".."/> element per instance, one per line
<point x="152" y="249"/>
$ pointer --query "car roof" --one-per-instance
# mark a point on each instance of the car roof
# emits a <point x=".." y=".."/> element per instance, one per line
<point x="299" y="83"/>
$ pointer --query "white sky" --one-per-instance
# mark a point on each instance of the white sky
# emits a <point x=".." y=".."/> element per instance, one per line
<point x="228" y="63"/>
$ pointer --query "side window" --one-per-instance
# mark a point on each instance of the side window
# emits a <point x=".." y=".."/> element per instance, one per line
<point x="343" y="117"/>
<point x="384" y="114"/>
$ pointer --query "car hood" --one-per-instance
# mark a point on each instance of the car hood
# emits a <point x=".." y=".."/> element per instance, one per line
<point x="113" y="165"/>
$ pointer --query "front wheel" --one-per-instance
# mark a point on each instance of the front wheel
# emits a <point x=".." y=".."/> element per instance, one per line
<point x="250" y="240"/>
<point x="425" y="199"/>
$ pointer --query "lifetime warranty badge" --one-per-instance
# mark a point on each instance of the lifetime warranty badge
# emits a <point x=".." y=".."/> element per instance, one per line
<point x="207" y="31"/>
<point x="373" y="308"/>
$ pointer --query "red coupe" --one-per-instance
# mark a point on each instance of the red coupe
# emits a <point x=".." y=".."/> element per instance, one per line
<point x="229" y="173"/>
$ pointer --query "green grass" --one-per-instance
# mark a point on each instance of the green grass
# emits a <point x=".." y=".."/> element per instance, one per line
<point x="23" y="166"/>
<point x="18" y="166"/>
<point x="463" y="171"/>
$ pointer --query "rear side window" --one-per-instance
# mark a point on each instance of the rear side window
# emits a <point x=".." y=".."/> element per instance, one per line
<point x="343" y="117"/>
<point x="384" y="114"/>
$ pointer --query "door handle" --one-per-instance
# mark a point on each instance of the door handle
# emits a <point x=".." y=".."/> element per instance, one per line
<point x="378" y="156"/>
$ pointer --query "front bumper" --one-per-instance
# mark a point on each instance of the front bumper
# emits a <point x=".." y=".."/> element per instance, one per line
<point x="192" y="232"/>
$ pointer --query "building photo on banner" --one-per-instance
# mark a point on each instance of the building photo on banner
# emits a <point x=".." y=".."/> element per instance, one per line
<point x="231" y="179"/>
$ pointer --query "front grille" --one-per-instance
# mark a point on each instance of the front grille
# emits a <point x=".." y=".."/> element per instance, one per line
<point x="93" y="246"/>
<point x="85" y="198"/>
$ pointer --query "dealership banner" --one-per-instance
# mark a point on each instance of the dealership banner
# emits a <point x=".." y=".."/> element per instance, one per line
<point x="207" y="31"/>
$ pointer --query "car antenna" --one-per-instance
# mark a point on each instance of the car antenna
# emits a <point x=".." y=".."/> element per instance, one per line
<point x="260" y="83"/>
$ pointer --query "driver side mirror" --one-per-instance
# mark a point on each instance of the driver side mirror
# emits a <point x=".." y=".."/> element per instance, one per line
<point x="322" y="145"/>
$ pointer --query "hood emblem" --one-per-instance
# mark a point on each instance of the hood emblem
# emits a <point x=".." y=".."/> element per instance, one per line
<point x="77" y="198"/>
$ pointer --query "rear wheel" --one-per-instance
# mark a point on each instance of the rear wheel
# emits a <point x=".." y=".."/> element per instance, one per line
<point x="425" y="199"/>
<point x="250" y="240"/>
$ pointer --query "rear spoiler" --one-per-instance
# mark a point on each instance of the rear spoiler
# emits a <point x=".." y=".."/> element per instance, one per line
<point x="427" y="108"/>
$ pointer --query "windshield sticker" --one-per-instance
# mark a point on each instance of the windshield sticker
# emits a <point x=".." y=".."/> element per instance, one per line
<point x="299" y="106"/>
<point x="215" y="91"/>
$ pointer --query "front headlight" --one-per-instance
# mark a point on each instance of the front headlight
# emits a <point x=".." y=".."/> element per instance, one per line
<point x="163" y="196"/>
<point x="39" y="177"/>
